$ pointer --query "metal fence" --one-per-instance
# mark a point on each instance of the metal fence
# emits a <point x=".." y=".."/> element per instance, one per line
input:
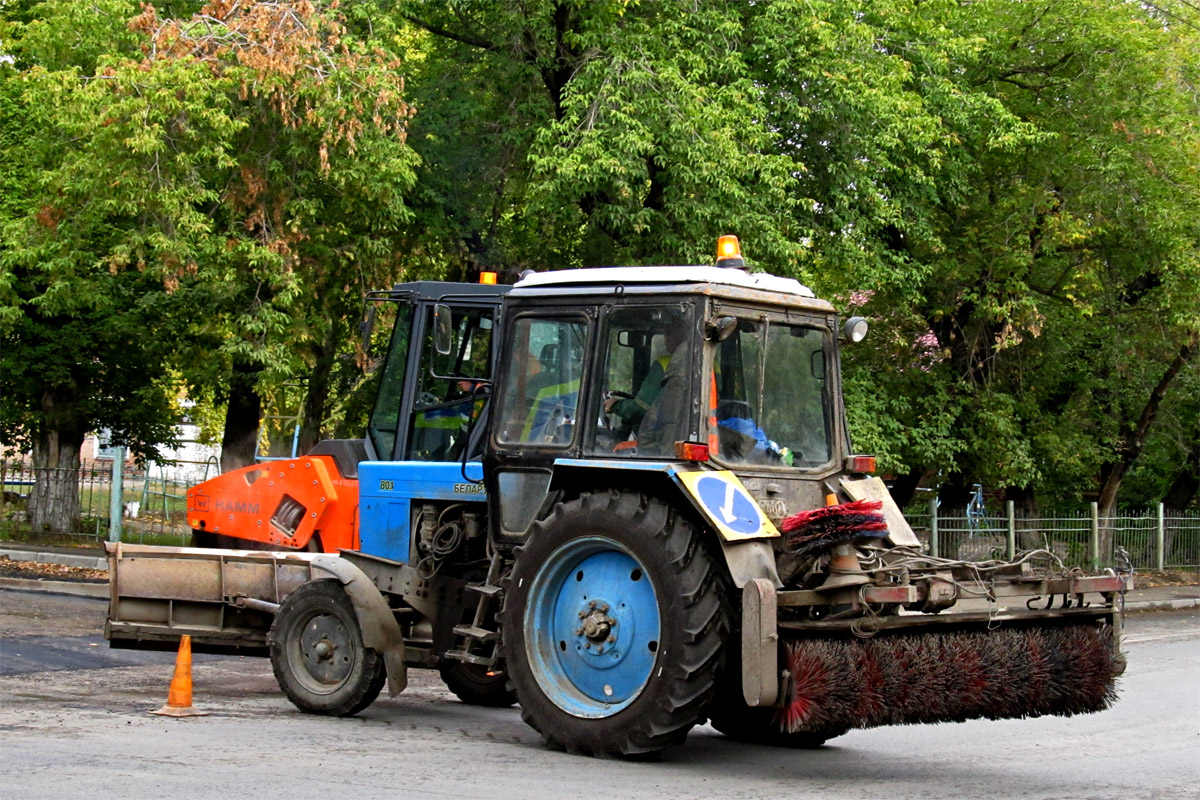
<point x="1154" y="539"/>
<point x="154" y="512"/>
<point x="153" y="507"/>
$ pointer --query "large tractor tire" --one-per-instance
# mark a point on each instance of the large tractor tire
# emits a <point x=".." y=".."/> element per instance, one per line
<point x="614" y="626"/>
<point x="477" y="685"/>
<point x="318" y="655"/>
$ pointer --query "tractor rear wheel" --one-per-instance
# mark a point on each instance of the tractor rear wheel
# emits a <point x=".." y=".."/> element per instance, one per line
<point x="758" y="726"/>
<point x="614" y="623"/>
<point x="318" y="655"/>
<point x="477" y="685"/>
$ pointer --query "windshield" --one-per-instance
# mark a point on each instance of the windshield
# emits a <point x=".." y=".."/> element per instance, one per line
<point x="772" y="400"/>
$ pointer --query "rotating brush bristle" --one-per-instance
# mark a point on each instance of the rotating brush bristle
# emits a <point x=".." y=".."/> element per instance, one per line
<point x="822" y="528"/>
<point x="948" y="677"/>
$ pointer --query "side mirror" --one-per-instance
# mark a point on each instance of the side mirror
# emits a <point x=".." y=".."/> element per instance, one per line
<point x="637" y="339"/>
<point x="854" y="329"/>
<point x="443" y="329"/>
<point x="720" y="329"/>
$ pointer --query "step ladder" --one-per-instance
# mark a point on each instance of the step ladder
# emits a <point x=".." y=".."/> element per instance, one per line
<point x="478" y="644"/>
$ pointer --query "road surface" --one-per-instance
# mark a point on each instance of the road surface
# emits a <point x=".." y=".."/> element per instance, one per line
<point x="74" y="722"/>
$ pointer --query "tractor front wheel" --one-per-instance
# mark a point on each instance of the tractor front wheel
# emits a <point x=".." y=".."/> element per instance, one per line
<point x="318" y="655"/>
<point x="614" y="625"/>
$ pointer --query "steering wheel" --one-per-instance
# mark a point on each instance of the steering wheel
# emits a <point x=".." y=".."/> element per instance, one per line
<point x="606" y="415"/>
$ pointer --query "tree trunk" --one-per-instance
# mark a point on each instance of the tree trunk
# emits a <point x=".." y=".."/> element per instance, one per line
<point x="318" y="391"/>
<point x="239" y="442"/>
<point x="904" y="487"/>
<point x="54" y="498"/>
<point x="1115" y="472"/>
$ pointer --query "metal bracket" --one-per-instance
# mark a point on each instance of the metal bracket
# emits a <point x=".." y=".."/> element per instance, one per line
<point x="760" y="643"/>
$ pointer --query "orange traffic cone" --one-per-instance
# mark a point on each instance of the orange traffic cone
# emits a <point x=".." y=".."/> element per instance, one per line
<point x="179" y="696"/>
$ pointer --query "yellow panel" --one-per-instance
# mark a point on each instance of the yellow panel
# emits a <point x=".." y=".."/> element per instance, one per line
<point x="731" y="509"/>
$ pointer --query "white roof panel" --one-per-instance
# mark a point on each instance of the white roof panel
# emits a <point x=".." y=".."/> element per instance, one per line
<point x="717" y="275"/>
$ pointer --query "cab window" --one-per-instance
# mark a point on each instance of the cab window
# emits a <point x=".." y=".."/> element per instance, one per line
<point x="541" y="400"/>
<point x="446" y="401"/>
<point x="647" y="376"/>
<point x="385" y="417"/>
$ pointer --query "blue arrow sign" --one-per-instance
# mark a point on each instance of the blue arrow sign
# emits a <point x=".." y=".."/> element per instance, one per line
<point x="729" y="505"/>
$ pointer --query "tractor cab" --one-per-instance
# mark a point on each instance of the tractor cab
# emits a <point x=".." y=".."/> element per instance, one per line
<point x="440" y="354"/>
<point x="651" y="369"/>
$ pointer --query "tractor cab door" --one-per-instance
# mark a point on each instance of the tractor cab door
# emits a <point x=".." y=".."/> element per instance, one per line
<point x="449" y="385"/>
<point x="599" y="382"/>
<point x="427" y="400"/>
<point x="431" y="398"/>
<point x="539" y="408"/>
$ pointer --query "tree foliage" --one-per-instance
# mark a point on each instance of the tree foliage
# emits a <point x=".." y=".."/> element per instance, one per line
<point x="239" y="173"/>
<point x="1008" y="190"/>
<point x="1051" y="280"/>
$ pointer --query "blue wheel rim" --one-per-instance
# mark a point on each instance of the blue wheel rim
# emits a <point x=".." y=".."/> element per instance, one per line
<point x="592" y="627"/>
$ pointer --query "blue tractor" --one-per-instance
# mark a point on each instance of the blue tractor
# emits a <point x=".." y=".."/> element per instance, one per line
<point x="626" y="498"/>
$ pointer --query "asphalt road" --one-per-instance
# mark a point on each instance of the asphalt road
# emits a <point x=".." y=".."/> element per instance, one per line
<point x="74" y="724"/>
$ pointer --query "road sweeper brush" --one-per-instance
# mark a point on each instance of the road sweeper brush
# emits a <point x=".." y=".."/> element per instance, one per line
<point x="906" y="678"/>
<point x="821" y="528"/>
<point x="860" y="661"/>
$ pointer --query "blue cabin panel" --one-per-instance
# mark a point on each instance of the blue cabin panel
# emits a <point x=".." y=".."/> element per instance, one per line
<point x="390" y="493"/>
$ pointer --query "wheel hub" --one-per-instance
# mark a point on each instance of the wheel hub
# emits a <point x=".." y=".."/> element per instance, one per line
<point x="325" y="649"/>
<point x="595" y="614"/>
<point x="597" y="625"/>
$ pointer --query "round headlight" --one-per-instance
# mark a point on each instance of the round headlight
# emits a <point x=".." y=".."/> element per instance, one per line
<point x="854" y="329"/>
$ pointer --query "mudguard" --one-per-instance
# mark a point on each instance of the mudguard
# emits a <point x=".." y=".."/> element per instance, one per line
<point x="743" y="530"/>
<point x="380" y="631"/>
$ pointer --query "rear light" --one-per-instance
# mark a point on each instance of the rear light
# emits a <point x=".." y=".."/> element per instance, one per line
<point x="860" y="464"/>
<point x="691" y="451"/>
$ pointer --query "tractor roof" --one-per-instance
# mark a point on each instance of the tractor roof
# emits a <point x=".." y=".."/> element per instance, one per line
<point x="665" y="276"/>
<point x="438" y="291"/>
<point x="729" y="283"/>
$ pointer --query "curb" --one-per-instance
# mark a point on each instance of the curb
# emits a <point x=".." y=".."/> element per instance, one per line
<point x="1163" y="605"/>
<point x="97" y="590"/>
<point x="62" y="559"/>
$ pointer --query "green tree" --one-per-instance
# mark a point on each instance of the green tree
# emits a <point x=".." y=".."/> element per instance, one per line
<point x="595" y="133"/>
<point x="243" y="169"/>
<point x="1046" y="284"/>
